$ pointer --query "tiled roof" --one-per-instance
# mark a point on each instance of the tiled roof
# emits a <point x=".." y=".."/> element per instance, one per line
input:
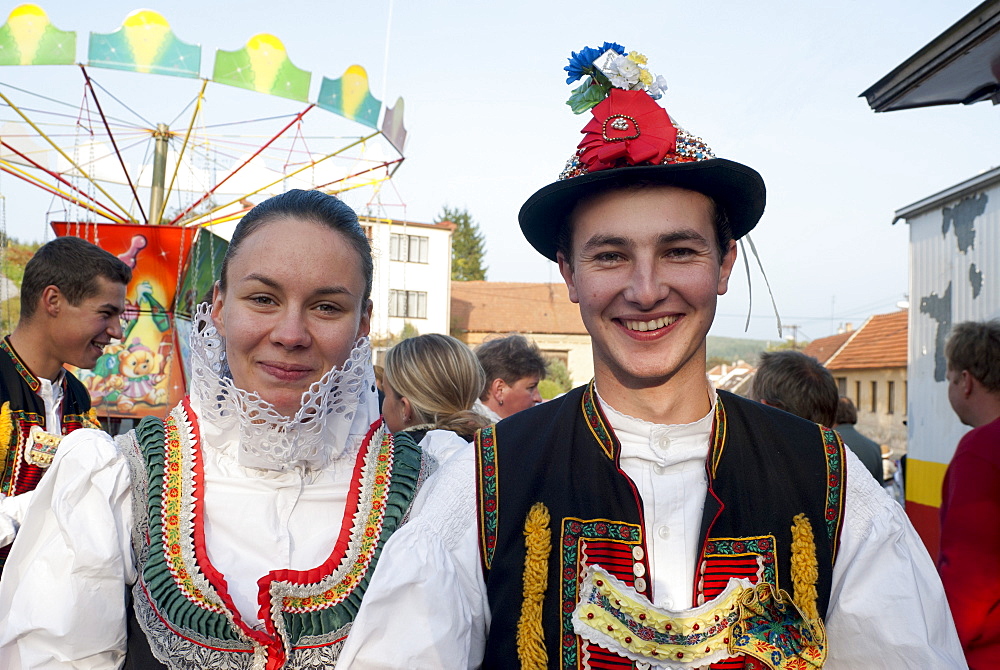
<point x="880" y="343"/>
<point x="503" y="307"/>
<point x="823" y="348"/>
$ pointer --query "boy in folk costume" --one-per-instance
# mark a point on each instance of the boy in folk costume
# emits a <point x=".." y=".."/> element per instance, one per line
<point x="646" y="519"/>
<point x="72" y="297"/>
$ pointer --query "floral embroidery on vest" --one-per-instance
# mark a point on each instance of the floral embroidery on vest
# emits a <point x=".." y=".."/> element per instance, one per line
<point x="181" y="600"/>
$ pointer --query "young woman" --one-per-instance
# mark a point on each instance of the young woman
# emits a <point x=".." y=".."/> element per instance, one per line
<point x="240" y="532"/>
<point x="431" y="383"/>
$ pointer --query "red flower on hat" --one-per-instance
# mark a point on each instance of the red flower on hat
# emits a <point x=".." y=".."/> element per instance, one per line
<point x="628" y="128"/>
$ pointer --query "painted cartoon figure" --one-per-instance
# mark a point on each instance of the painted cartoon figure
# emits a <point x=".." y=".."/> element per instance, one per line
<point x="141" y="370"/>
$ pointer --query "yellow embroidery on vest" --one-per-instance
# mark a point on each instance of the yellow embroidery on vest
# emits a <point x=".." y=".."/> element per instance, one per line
<point x="538" y="543"/>
<point x="6" y="428"/>
<point x="91" y="420"/>
<point x="805" y="569"/>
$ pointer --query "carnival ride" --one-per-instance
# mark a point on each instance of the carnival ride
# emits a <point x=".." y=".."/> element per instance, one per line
<point x="164" y="195"/>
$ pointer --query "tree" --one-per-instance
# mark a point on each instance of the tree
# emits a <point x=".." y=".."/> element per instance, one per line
<point x="556" y="380"/>
<point x="466" y="245"/>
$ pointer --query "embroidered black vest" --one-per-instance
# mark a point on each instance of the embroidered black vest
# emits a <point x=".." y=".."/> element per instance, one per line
<point x="23" y="463"/>
<point x="764" y="467"/>
<point x="180" y="601"/>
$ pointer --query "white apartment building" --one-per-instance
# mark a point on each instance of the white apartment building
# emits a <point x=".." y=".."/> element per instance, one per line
<point x="412" y="276"/>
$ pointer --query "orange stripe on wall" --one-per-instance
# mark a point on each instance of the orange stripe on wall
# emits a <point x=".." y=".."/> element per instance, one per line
<point x="923" y="482"/>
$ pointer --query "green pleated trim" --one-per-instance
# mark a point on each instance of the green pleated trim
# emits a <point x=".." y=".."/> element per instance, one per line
<point x="169" y="601"/>
<point x="406" y="460"/>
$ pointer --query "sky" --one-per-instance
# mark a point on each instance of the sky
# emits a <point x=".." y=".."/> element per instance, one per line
<point x="774" y="85"/>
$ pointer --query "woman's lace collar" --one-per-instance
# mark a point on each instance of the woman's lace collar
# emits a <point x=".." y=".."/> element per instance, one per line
<point x="334" y="408"/>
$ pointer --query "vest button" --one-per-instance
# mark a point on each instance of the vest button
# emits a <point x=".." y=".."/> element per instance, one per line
<point x="640" y="584"/>
<point x="637" y="553"/>
<point x="639" y="570"/>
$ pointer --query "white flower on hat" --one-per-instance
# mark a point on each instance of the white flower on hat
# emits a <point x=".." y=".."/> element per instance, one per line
<point x="622" y="72"/>
<point x="658" y="86"/>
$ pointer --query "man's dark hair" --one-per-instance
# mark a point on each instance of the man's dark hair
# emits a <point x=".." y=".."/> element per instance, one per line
<point x="73" y="265"/>
<point x="975" y="346"/>
<point x="316" y="206"/>
<point x="564" y="242"/>
<point x="846" y="411"/>
<point x="796" y="383"/>
<point x="509" y="358"/>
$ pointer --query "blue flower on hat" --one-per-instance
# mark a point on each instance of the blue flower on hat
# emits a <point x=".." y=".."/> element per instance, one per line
<point x="581" y="62"/>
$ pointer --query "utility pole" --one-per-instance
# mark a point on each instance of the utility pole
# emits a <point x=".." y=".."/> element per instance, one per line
<point x="795" y="335"/>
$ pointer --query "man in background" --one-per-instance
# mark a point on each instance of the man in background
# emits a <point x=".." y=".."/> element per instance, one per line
<point x="797" y="383"/>
<point x="969" y="561"/>
<point x="72" y="297"/>
<point x="866" y="449"/>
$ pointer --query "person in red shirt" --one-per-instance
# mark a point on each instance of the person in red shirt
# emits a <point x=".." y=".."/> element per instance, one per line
<point x="969" y="561"/>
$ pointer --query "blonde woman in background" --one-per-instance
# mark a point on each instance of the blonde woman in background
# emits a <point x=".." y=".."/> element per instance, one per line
<point x="430" y="384"/>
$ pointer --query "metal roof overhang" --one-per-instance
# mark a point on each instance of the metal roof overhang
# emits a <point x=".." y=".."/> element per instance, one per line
<point x="958" y="191"/>
<point x="961" y="65"/>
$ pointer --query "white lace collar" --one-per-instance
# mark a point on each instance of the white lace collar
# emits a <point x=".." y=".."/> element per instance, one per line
<point x="333" y="408"/>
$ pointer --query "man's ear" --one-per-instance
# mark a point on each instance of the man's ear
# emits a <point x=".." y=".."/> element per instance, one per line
<point x="967" y="382"/>
<point x="52" y="300"/>
<point x="566" y="270"/>
<point x="726" y="270"/>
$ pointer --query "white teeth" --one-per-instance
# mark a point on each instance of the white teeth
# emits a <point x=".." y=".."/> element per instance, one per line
<point x="655" y="324"/>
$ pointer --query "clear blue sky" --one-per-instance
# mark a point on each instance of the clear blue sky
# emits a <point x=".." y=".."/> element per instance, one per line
<point x="771" y="84"/>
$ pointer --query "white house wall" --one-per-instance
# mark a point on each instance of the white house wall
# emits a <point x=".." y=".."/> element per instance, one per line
<point x="954" y="277"/>
<point x="433" y="278"/>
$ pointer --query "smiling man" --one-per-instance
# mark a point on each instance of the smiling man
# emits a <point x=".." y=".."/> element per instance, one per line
<point x="646" y="519"/>
<point x="72" y="297"/>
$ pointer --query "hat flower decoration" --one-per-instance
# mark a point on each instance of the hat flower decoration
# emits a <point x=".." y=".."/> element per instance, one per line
<point x="628" y="127"/>
<point x="630" y="138"/>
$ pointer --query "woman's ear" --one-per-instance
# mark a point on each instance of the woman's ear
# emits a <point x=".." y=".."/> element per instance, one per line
<point x="407" y="410"/>
<point x="497" y="389"/>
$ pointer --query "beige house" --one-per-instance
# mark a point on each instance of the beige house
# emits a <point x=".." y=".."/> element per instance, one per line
<point x="870" y="369"/>
<point x="541" y="312"/>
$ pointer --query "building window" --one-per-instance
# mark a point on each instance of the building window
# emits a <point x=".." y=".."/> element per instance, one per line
<point x="857" y="394"/>
<point x="890" y="397"/>
<point x="874" y="397"/>
<point x="408" y="304"/>
<point x="842" y="385"/>
<point x="408" y="248"/>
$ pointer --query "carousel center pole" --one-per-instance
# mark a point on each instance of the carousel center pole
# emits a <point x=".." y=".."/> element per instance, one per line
<point x="162" y="136"/>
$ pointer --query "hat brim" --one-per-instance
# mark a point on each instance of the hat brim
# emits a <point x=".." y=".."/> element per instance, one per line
<point x="739" y="190"/>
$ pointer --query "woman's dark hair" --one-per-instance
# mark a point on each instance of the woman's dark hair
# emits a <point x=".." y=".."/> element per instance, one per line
<point x="315" y="206"/>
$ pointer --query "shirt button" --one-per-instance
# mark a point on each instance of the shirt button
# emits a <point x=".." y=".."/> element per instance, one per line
<point x="663" y="442"/>
<point x="640" y="584"/>
<point x="659" y="469"/>
<point x="637" y="553"/>
<point x="639" y="570"/>
<point x="663" y="532"/>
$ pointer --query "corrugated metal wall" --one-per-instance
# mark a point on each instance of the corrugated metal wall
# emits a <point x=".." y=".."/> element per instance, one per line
<point x="954" y="277"/>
